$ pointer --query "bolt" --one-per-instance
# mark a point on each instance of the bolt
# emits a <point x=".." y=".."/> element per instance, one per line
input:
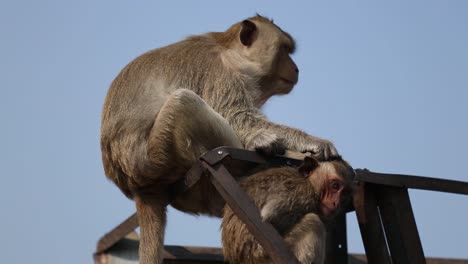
<point x="220" y="152"/>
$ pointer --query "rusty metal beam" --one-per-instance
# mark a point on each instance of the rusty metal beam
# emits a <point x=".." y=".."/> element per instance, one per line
<point x="216" y="155"/>
<point x="337" y="244"/>
<point x="412" y="182"/>
<point x="400" y="227"/>
<point x="369" y="221"/>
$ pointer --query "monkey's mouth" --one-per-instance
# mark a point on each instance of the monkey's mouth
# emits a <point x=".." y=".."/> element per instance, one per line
<point x="287" y="81"/>
<point x="326" y="211"/>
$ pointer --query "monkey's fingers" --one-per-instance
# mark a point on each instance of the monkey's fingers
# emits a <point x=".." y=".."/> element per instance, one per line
<point x="297" y="155"/>
<point x="323" y="151"/>
<point x="276" y="147"/>
<point x="330" y="152"/>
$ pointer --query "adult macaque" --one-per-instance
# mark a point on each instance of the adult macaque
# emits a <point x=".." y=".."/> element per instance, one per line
<point x="299" y="203"/>
<point x="225" y="75"/>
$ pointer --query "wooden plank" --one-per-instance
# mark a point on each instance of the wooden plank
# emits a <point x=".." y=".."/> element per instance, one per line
<point x="400" y="227"/>
<point x="199" y="254"/>
<point x="357" y="259"/>
<point x="369" y="222"/>
<point x="116" y="234"/>
<point x="246" y="210"/>
<point x="361" y="259"/>
<point x="445" y="261"/>
<point x="412" y="182"/>
<point x="126" y="252"/>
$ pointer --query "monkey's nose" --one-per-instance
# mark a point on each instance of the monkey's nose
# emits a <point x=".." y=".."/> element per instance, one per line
<point x="297" y="70"/>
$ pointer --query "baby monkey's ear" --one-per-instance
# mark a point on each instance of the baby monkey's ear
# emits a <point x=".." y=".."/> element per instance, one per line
<point x="308" y="165"/>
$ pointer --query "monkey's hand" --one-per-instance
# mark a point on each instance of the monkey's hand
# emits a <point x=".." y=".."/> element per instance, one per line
<point x="321" y="149"/>
<point x="266" y="143"/>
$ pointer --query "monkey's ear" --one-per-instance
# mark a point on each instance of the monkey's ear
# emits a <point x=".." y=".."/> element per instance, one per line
<point x="309" y="164"/>
<point x="247" y="33"/>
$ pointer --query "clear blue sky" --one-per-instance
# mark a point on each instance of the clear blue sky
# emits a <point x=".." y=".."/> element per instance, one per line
<point x="387" y="82"/>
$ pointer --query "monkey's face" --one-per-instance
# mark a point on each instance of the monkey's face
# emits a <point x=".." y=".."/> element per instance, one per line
<point x="287" y="73"/>
<point x="332" y="186"/>
<point x="283" y="72"/>
<point x="332" y="195"/>
<point x="269" y="48"/>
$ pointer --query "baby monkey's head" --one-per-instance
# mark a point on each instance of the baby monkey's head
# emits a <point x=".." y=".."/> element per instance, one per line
<point x="331" y="181"/>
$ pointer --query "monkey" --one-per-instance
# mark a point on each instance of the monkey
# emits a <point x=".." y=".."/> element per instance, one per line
<point x="299" y="202"/>
<point x="226" y="75"/>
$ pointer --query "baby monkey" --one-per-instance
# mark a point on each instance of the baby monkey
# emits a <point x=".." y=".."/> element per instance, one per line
<point x="298" y="202"/>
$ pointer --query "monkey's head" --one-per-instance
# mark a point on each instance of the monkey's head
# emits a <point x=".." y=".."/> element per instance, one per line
<point x="263" y="52"/>
<point x="331" y="181"/>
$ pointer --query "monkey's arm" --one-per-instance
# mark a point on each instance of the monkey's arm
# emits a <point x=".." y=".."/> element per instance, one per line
<point x="283" y="196"/>
<point x="278" y="214"/>
<point x="258" y="133"/>
<point x="307" y="239"/>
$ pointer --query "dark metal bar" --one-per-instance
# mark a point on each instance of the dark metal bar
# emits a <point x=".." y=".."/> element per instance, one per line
<point x="413" y="182"/>
<point x="337" y="245"/>
<point x="218" y="154"/>
<point x="246" y="210"/>
<point x="116" y="234"/>
<point x="190" y="178"/>
<point x="400" y="227"/>
<point x="369" y="221"/>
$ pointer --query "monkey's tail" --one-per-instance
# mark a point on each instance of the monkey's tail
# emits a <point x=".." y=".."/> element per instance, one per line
<point x="152" y="219"/>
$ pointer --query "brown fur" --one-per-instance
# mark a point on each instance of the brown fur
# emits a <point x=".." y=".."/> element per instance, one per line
<point x="291" y="202"/>
<point x="150" y="135"/>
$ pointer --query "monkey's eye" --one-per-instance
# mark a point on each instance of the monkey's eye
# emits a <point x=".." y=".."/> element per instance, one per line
<point x="336" y="186"/>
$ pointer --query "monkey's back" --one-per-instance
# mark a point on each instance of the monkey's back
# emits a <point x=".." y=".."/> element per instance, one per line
<point x="136" y="96"/>
<point x="283" y="197"/>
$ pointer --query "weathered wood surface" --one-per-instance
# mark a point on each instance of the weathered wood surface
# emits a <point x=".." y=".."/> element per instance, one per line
<point x="119" y="232"/>
<point x="126" y="252"/>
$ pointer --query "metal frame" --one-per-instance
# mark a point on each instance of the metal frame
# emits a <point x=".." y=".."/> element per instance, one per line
<point x="385" y="215"/>
<point x="381" y="202"/>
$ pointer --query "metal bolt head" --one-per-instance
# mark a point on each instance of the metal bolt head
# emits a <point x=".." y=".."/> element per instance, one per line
<point x="220" y="152"/>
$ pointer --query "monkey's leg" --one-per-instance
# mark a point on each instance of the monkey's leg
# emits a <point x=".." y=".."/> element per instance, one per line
<point x="307" y="239"/>
<point x="151" y="213"/>
<point x="184" y="129"/>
